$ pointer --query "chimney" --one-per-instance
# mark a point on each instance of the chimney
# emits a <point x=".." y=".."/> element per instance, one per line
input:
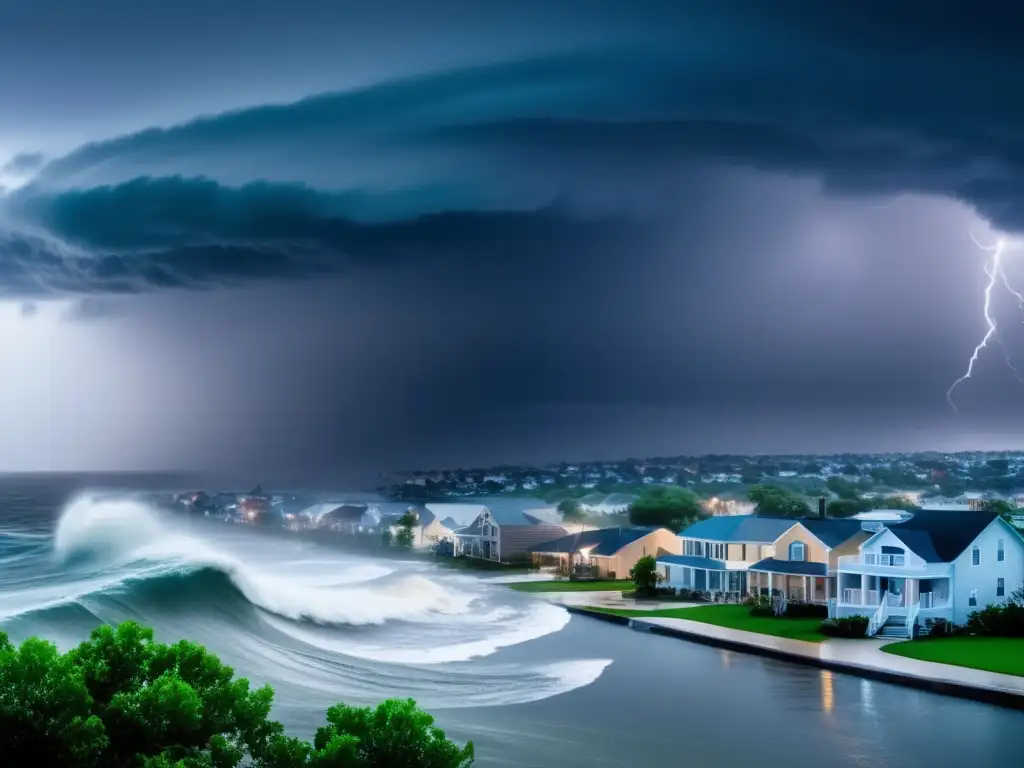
<point x="821" y="506"/>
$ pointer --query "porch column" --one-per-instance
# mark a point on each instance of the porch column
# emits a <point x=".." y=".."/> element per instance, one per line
<point x="810" y="589"/>
<point x="771" y="579"/>
<point x="863" y="589"/>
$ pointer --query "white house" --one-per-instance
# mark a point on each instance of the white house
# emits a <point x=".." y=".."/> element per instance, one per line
<point x="938" y="564"/>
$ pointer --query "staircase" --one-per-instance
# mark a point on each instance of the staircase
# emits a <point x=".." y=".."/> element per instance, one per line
<point x="895" y="628"/>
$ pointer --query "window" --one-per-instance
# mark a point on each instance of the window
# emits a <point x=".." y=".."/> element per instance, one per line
<point x="973" y="599"/>
<point x="1001" y="550"/>
<point x="797" y="551"/>
<point x="1000" y="587"/>
<point x="668" y="573"/>
<point x="975" y="556"/>
<point x="714" y="581"/>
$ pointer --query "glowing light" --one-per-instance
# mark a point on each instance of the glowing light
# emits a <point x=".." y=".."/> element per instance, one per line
<point x="996" y="273"/>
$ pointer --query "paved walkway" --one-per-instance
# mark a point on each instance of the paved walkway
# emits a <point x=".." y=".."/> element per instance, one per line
<point x="862" y="654"/>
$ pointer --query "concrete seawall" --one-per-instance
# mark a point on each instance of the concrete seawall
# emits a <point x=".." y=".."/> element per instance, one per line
<point x="940" y="681"/>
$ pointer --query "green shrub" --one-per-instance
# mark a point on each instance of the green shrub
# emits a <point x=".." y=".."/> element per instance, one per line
<point x="806" y="611"/>
<point x="849" y="626"/>
<point x="120" y="699"/>
<point x="997" y="621"/>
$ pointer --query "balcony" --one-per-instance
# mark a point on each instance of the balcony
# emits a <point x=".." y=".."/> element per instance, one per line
<point x="889" y="561"/>
<point x="876" y="564"/>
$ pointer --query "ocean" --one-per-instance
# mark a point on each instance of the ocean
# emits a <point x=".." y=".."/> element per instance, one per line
<point x="530" y="684"/>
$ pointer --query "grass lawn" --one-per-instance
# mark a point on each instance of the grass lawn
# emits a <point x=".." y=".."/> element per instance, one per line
<point x="573" y="586"/>
<point x="736" y="617"/>
<point x="993" y="654"/>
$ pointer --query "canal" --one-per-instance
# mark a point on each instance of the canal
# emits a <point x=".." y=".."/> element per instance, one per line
<point x="668" y="702"/>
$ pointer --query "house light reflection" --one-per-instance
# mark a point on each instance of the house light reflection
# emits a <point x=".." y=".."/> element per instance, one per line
<point x="827" y="694"/>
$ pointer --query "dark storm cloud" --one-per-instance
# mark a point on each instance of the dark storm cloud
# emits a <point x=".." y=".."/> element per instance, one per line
<point x="22" y="163"/>
<point x="623" y="231"/>
<point x="889" y="106"/>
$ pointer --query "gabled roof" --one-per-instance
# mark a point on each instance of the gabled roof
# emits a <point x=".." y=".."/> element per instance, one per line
<point x="739" y="528"/>
<point x="919" y="542"/>
<point x="692" y="561"/>
<point x="463" y="513"/>
<point x="950" y="531"/>
<point x="831" y="532"/>
<point x="508" y="512"/>
<point x="603" y="542"/>
<point x="794" y="567"/>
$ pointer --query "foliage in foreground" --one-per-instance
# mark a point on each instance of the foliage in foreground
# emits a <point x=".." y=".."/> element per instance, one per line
<point x="121" y="699"/>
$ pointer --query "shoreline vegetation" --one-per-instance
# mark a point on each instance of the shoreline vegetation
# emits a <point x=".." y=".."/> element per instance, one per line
<point x="121" y="700"/>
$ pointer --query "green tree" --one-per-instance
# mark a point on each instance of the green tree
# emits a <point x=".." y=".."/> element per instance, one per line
<point x="570" y="510"/>
<point x="666" y="506"/>
<point x="844" y="489"/>
<point x="645" y="574"/>
<point x="777" y="502"/>
<point x="121" y="699"/>
<point x="404" y="536"/>
<point x="1000" y="507"/>
<point x="845" y="507"/>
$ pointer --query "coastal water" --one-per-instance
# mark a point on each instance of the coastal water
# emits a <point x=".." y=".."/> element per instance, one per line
<point x="529" y="684"/>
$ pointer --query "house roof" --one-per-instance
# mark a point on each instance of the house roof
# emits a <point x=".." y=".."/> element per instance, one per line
<point x="740" y="528"/>
<point x="463" y="514"/>
<point x="603" y="542"/>
<point x="793" y="567"/>
<point x="920" y="543"/>
<point x="831" y="532"/>
<point x="704" y="563"/>
<point x="510" y="512"/>
<point x="949" y="531"/>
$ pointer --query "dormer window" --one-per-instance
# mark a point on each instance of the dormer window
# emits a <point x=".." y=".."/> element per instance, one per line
<point x="797" y="551"/>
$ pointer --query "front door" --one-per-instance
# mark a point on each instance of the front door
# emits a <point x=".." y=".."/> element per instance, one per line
<point x="895" y="588"/>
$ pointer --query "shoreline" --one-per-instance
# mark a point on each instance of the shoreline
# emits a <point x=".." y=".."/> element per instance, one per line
<point x="716" y="637"/>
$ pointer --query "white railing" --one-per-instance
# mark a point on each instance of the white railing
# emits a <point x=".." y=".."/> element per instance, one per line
<point x="893" y="600"/>
<point x="881" y="615"/>
<point x="832" y="608"/>
<point x="860" y="597"/>
<point x="889" y="561"/>
<point x="925" y="600"/>
<point x="912" y="619"/>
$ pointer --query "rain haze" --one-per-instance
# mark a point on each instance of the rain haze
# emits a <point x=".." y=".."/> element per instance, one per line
<point x="335" y="240"/>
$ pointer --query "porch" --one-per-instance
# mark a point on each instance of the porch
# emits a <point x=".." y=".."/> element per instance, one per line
<point x="702" y="574"/>
<point x="922" y="598"/>
<point x="799" y="581"/>
<point x="796" y="588"/>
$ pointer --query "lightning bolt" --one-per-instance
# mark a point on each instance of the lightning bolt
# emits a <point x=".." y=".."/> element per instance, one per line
<point x="995" y="273"/>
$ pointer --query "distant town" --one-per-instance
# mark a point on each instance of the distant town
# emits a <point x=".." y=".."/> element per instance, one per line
<point x="724" y="481"/>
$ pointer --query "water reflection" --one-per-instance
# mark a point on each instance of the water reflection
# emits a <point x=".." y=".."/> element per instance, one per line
<point x="827" y="693"/>
<point x="867" y="697"/>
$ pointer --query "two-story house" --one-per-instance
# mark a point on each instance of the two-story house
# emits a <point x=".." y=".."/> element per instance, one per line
<point x="936" y="564"/>
<point x="803" y="566"/>
<point x="717" y="552"/>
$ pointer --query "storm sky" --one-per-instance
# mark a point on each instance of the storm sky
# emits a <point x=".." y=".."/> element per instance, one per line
<point x="315" y="240"/>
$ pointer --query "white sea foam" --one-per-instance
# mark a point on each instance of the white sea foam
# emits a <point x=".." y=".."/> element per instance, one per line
<point x="541" y="619"/>
<point x="119" y="532"/>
